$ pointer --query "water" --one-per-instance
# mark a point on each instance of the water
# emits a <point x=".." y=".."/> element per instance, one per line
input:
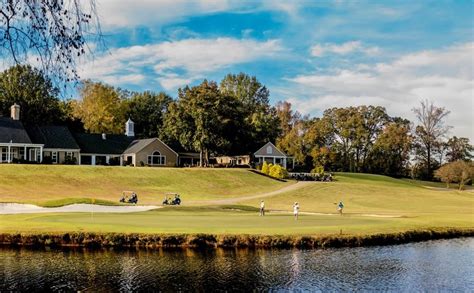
<point x="444" y="265"/>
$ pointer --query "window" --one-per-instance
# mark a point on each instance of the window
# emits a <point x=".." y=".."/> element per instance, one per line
<point x="156" y="159"/>
<point x="4" y="152"/>
<point x="269" y="150"/>
<point x="54" y="157"/>
<point x="32" y="154"/>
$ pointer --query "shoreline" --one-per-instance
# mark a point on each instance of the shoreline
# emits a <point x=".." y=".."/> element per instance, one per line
<point x="210" y="241"/>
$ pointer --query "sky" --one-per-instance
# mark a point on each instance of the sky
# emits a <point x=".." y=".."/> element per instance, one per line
<point x="314" y="54"/>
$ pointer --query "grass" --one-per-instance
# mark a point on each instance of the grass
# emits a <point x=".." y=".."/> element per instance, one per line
<point x="365" y="193"/>
<point x="219" y="220"/>
<point x="412" y="205"/>
<point x="39" y="184"/>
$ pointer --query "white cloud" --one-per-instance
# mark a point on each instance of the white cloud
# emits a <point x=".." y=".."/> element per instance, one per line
<point x="123" y="13"/>
<point x="193" y="58"/>
<point x="320" y="50"/>
<point x="444" y="76"/>
<point x="126" y="13"/>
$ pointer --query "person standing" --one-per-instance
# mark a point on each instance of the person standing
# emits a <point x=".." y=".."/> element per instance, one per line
<point x="262" y="208"/>
<point x="296" y="210"/>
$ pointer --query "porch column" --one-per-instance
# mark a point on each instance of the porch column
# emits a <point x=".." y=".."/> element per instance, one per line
<point x="41" y="154"/>
<point x="93" y="160"/>
<point x="274" y="159"/>
<point x="121" y="160"/>
<point x="9" y="158"/>
<point x="79" y="158"/>
<point x="25" y="154"/>
<point x="284" y="163"/>
<point x="107" y="159"/>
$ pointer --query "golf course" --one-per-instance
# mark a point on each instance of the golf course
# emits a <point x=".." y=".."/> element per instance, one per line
<point x="226" y="201"/>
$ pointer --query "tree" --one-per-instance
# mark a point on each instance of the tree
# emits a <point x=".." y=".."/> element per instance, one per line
<point x="202" y="119"/>
<point x="355" y="130"/>
<point x="260" y="122"/>
<point x="288" y="117"/>
<point x="459" y="149"/>
<point x="147" y="111"/>
<point x="292" y="136"/>
<point x="429" y="132"/>
<point x="391" y="151"/>
<point x="50" y="33"/>
<point x="33" y="91"/>
<point x="458" y="171"/>
<point x="101" y="108"/>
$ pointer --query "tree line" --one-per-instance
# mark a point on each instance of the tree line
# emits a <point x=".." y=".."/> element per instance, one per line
<point x="235" y="117"/>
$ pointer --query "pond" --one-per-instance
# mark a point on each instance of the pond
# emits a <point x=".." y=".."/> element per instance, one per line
<point x="442" y="265"/>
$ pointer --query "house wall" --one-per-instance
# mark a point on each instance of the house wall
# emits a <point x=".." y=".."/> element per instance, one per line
<point x="156" y="145"/>
<point x="61" y="155"/>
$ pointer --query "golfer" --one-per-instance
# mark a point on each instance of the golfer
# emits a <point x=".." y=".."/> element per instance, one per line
<point x="340" y="207"/>
<point x="296" y="210"/>
<point x="262" y="208"/>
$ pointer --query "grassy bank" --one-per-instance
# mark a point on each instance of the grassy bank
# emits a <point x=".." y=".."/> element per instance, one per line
<point x="103" y="240"/>
<point x="39" y="184"/>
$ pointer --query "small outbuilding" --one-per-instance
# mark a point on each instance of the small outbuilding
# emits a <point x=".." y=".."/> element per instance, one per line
<point x="271" y="154"/>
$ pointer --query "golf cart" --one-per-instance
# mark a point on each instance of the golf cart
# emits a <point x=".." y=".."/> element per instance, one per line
<point x="129" y="197"/>
<point x="169" y="201"/>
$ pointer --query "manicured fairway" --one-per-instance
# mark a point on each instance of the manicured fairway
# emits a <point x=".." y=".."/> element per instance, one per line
<point x="219" y="221"/>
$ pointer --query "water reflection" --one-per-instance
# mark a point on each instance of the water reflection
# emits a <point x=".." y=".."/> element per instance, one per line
<point x="429" y="266"/>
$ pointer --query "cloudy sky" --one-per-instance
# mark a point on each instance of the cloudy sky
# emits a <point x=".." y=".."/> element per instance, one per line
<point x="315" y="54"/>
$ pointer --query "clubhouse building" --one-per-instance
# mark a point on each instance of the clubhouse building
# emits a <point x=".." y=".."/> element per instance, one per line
<point x="58" y="145"/>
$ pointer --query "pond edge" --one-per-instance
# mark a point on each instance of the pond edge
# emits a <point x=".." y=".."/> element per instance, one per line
<point x="140" y="240"/>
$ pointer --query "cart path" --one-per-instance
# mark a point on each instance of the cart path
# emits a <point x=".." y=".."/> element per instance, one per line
<point x="292" y="187"/>
<point x="19" y="208"/>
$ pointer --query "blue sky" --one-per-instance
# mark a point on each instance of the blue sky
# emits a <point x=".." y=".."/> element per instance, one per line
<point x="315" y="54"/>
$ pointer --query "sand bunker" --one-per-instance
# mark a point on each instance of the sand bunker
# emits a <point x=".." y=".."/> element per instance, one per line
<point x="19" y="208"/>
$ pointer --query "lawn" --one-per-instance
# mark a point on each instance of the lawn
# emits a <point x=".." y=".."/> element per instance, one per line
<point x="215" y="220"/>
<point x="364" y="193"/>
<point x="373" y="203"/>
<point x="43" y="184"/>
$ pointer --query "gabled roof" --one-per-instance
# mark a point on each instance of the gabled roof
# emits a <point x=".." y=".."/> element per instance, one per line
<point x="139" y="144"/>
<point x="53" y="137"/>
<point x="274" y="151"/>
<point x="13" y="131"/>
<point x="113" y="144"/>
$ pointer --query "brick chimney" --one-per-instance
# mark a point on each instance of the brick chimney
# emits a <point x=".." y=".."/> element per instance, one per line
<point x="15" y="111"/>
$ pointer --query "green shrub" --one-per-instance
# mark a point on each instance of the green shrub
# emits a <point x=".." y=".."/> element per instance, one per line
<point x="318" y="170"/>
<point x="266" y="168"/>
<point x="278" y="171"/>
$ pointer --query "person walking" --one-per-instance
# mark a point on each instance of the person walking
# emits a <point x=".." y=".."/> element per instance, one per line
<point x="262" y="208"/>
<point x="296" y="210"/>
<point x="340" y="207"/>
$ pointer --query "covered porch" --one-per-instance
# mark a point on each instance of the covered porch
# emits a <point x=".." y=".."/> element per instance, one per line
<point x="283" y="161"/>
<point x="15" y="152"/>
